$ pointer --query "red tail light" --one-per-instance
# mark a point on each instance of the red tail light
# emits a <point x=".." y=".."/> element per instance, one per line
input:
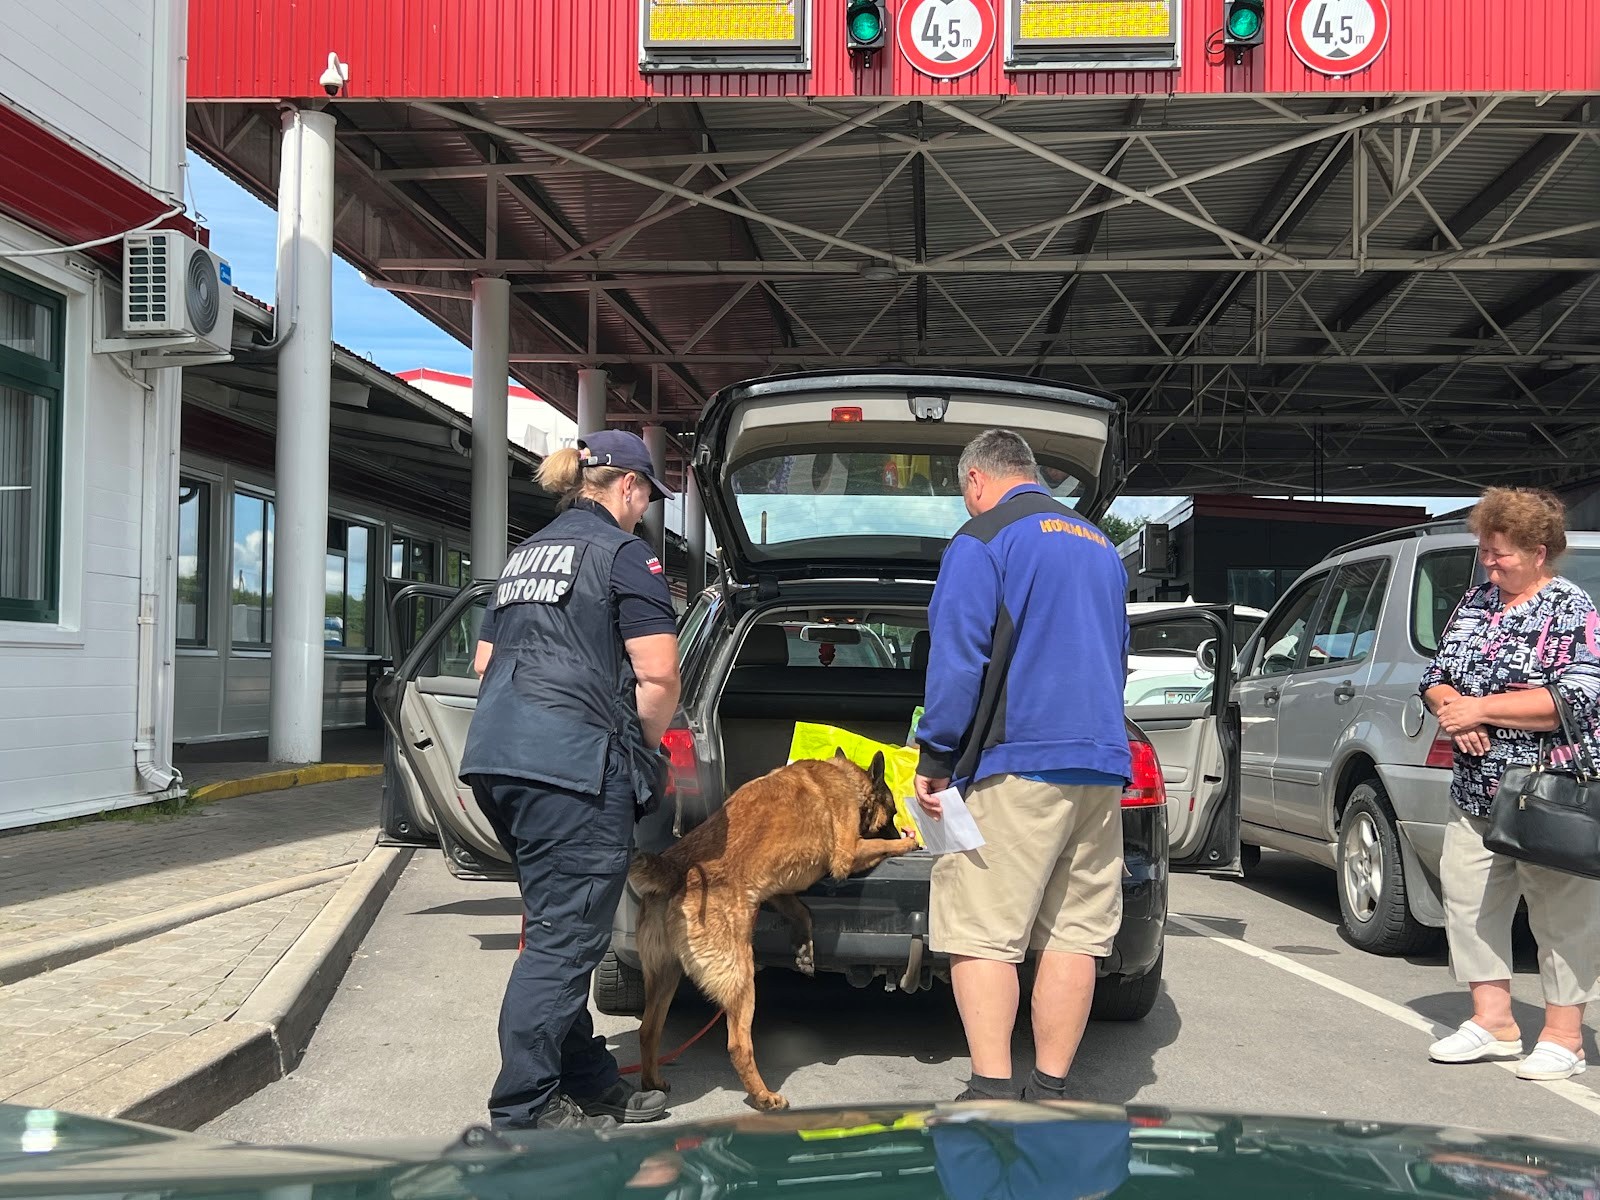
<point x="1148" y="789"/>
<point x="685" y="776"/>
<point x="1442" y="753"/>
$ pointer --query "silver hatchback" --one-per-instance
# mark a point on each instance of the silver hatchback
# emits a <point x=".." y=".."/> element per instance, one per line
<point x="1339" y="761"/>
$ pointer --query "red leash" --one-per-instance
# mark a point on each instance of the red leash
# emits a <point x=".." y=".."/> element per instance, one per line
<point x="669" y="1058"/>
<point x="665" y="1058"/>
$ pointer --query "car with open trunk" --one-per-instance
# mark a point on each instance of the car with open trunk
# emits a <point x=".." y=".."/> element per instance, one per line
<point x="832" y="496"/>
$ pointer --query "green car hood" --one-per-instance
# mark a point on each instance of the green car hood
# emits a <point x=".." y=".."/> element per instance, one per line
<point x="984" y="1151"/>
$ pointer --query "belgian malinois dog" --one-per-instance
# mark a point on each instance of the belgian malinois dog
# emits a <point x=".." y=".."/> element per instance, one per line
<point x="775" y="837"/>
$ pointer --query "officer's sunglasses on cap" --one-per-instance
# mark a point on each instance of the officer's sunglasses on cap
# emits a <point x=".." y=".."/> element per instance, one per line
<point x="590" y="459"/>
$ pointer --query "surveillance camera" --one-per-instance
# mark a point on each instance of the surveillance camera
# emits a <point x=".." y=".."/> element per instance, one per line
<point x="335" y="77"/>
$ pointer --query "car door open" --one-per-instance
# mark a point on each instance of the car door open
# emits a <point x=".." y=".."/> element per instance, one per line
<point x="1197" y="743"/>
<point x="427" y="706"/>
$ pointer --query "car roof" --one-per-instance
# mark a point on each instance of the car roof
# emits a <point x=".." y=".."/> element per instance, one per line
<point x="1454" y="527"/>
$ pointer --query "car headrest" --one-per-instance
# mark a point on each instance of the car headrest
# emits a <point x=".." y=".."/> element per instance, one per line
<point x="764" y="646"/>
<point x="921" y="646"/>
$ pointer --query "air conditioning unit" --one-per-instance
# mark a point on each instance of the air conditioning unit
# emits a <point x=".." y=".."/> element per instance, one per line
<point x="173" y="287"/>
<point x="1155" y="550"/>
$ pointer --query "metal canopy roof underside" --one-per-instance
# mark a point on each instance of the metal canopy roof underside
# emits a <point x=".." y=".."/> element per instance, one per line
<point x="1346" y="295"/>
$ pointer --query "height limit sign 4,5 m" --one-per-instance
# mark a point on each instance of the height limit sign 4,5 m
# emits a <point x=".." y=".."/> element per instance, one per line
<point x="1338" y="37"/>
<point x="946" y="38"/>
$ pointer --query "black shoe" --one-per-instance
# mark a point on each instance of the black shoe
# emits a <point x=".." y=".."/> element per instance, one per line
<point x="563" y="1113"/>
<point x="623" y="1102"/>
<point x="1037" y="1091"/>
<point x="989" y="1089"/>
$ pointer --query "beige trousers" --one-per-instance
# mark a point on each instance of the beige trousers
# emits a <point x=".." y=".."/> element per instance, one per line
<point x="1048" y="876"/>
<point x="1481" y="889"/>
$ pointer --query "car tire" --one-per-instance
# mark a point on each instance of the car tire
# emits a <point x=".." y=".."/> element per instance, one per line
<point x="1127" y="997"/>
<point x="1371" y="880"/>
<point x="1249" y="856"/>
<point x="618" y="988"/>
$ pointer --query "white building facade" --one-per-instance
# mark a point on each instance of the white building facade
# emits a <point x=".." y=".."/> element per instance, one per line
<point x="92" y="120"/>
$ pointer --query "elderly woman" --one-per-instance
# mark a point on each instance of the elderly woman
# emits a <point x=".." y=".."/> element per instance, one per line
<point x="1511" y="637"/>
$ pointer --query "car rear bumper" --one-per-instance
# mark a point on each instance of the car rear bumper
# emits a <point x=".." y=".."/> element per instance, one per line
<point x="877" y="924"/>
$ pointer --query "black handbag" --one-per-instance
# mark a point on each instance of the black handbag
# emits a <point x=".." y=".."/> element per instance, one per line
<point x="1550" y="815"/>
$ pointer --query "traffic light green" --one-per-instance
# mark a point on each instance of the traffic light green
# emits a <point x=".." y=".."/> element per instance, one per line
<point x="1244" y="23"/>
<point x="865" y="25"/>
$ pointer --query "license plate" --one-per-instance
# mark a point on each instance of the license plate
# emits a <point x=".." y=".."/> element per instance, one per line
<point x="1181" y="695"/>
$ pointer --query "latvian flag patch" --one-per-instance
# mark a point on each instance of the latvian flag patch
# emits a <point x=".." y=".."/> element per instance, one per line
<point x="655" y="566"/>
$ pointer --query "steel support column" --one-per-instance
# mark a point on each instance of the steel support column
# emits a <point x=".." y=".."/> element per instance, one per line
<point x="299" y="547"/>
<point x="591" y="401"/>
<point x="491" y="347"/>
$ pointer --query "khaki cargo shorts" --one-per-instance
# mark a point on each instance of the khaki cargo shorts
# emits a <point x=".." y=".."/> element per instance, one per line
<point x="1048" y="877"/>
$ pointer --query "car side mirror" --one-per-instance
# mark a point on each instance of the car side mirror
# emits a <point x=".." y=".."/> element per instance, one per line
<point x="1206" y="656"/>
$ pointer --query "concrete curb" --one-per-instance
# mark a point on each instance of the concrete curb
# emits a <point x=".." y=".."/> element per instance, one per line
<point x="263" y="1040"/>
<point x="56" y="952"/>
<point x="277" y="781"/>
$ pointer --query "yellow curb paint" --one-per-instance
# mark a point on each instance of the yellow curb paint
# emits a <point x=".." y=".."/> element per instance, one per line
<point x="277" y="781"/>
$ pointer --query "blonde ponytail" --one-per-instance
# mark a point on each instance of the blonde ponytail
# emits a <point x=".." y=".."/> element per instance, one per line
<point x="560" y="472"/>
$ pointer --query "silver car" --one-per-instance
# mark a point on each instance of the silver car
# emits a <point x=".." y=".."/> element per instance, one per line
<point x="1340" y="763"/>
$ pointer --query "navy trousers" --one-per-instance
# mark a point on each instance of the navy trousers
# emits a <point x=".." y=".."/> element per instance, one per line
<point x="571" y="852"/>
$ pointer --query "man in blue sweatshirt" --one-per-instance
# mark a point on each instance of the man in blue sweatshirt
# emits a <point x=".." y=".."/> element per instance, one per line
<point x="1024" y="715"/>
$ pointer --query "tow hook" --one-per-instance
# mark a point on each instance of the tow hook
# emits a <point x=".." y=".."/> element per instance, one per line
<point x="912" y="979"/>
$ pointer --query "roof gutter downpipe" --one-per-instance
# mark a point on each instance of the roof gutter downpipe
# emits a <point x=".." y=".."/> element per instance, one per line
<point x="289" y="175"/>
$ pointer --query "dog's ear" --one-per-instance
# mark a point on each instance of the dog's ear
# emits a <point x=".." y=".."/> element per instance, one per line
<point x="876" y="770"/>
<point x="839" y="756"/>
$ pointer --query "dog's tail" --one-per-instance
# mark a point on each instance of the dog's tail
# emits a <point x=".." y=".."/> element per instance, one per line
<point x="651" y="875"/>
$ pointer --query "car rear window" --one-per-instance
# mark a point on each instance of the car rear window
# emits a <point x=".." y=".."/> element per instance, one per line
<point x="838" y="638"/>
<point x="1443" y="577"/>
<point x="867" y="499"/>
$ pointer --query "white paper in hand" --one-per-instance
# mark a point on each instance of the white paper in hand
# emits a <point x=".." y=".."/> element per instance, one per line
<point x="955" y="831"/>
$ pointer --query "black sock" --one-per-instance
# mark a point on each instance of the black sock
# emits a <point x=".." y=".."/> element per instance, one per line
<point x="1049" y="1083"/>
<point x="992" y="1089"/>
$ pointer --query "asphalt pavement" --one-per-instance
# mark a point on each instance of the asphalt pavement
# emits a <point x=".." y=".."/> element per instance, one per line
<point x="1265" y="1009"/>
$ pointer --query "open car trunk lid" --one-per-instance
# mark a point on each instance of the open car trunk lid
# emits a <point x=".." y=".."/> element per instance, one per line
<point x="852" y="474"/>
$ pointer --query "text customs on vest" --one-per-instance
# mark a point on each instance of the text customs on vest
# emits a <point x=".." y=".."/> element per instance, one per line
<point x="540" y="574"/>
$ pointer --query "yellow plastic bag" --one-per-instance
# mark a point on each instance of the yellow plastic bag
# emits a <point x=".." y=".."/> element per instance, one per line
<point x="813" y="740"/>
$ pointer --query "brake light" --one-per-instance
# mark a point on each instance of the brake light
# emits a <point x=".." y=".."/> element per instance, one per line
<point x="1442" y="754"/>
<point x="684" y="775"/>
<point x="1148" y="789"/>
<point x="846" y="416"/>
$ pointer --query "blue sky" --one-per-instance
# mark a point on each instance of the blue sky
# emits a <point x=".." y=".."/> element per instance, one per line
<point x="378" y="326"/>
<point x="374" y="324"/>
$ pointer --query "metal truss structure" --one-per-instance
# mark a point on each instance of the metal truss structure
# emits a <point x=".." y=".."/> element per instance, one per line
<point x="1374" y="294"/>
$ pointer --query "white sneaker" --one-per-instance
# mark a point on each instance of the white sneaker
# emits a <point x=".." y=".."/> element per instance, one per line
<point x="1473" y="1043"/>
<point x="1550" y="1060"/>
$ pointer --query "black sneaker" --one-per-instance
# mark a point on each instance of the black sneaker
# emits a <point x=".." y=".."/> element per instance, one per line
<point x="623" y="1102"/>
<point x="563" y="1113"/>
<point x="1037" y="1091"/>
<point x="971" y="1092"/>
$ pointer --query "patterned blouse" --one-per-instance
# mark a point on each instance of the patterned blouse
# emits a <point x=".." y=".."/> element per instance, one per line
<point x="1488" y="649"/>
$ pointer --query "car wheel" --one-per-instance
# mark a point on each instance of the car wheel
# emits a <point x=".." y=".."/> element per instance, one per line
<point x="1372" y="883"/>
<point x="1249" y="856"/>
<point x="1127" y="997"/>
<point x="618" y="988"/>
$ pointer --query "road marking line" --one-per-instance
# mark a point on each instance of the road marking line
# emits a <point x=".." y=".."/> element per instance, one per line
<point x="1577" y="1093"/>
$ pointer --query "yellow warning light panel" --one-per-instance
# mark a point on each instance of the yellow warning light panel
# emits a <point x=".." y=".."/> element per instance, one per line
<point x="1067" y="34"/>
<point x="724" y="35"/>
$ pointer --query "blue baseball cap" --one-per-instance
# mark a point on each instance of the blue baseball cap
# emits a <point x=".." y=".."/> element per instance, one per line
<point x="620" y="448"/>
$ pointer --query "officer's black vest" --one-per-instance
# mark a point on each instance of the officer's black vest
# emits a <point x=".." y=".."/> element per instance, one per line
<point x="559" y="692"/>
